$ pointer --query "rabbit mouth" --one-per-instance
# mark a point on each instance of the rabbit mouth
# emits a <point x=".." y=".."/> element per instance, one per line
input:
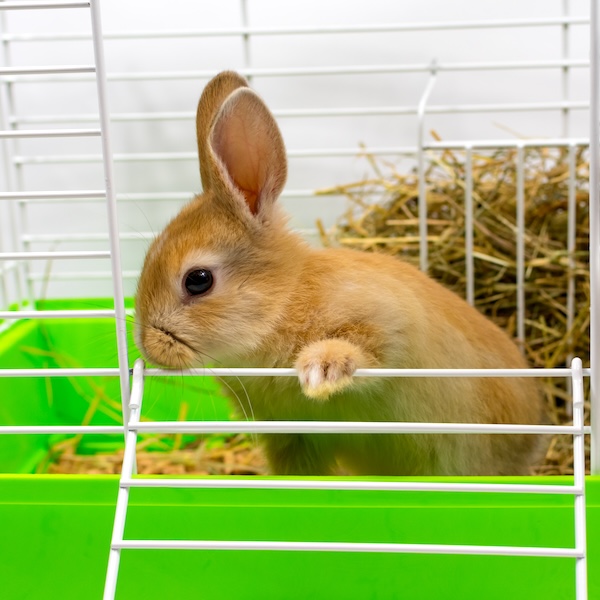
<point x="167" y="349"/>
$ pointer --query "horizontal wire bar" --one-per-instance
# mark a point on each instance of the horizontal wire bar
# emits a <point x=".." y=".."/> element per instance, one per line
<point x="62" y="429"/>
<point x="24" y="75"/>
<point x="411" y="150"/>
<point x="81" y="276"/>
<point x="341" y="29"/>
<point x="41" y="5"/>
<point x="134" y="197"/>
<point x="345" y="427"/>
<point x="53" y="255"/>
<point x="138" y="236"/>
<point x="501" y="143"/>
<point x="49" y="133"/>
<point x="82" y="372"/>
<point x="96" y="158"/>
<point x="153" y="196"/>
<point x="81" y="237"/>
<point x="317" y="112"/>
<point x="352" y="152"/>
<point x="192" y="156"/>
<point x="347" y="484"/>
<point x="311" y="152"/>
<point x="149" y="196"/>
<point x="287" y="372"/>
<point x="274" y="372"/>
<point x="47" y="195"/>
<point x="348" y="547"/>
<point x="57" y="314"/>
<point x="363" y="69"/>
<point x="247" y="372"/>
<point x="23" y="72"/>
<point x="113" y="429"/>
<point x="432" y="109"/>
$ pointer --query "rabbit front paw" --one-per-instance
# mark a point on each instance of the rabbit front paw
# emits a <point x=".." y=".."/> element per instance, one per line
<point x="326" y="367"/>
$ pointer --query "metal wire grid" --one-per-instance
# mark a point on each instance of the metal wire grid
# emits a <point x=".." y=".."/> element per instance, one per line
<point x="134" y="426"/>
<point x="13" y="260"/>
<point x="10" y="261"/>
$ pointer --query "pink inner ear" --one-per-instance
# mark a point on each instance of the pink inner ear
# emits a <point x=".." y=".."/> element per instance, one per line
<point x="240" y="144"/>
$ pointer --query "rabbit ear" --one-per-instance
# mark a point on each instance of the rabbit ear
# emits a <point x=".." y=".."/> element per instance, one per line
<point x="211" y="101"/>
<point x="248" y="153"/>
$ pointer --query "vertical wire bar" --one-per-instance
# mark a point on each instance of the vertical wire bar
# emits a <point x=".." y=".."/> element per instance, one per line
<point x="469" y="264"/>
<point x="20" y="214"/>
<point x="594" y="211"/>
<point x="22" y="223"/>
<point x="4" y="290"/>
<point x="571" y="239"/>
<point x="111" y="204"/>
<point x="9" y="151"/>
<point x="565" y="69"/>
<point x="520" y="243"/>
<point x="5" y="298"/>
<point x="423" y="249"/>
<point x="579" y="480"/>
<point x="134" y="411"/>
<point x="246" y="37"/>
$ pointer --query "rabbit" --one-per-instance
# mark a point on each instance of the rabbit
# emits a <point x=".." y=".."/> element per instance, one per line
<point x="228" y="281"/>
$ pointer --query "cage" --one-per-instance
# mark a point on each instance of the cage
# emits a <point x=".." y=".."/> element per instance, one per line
<point x="98" y="153"/>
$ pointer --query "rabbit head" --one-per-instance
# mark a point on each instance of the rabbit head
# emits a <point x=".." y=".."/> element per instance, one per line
<point x="212" y="281"/>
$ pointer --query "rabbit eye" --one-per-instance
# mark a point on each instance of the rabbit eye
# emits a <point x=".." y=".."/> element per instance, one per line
<point x="198" y="282"/>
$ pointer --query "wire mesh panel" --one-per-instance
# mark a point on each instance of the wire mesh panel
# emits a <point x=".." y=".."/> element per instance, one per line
<point x="18" y="280"/>
<point x="394" y="103"/>
<point x="128" y="481"/>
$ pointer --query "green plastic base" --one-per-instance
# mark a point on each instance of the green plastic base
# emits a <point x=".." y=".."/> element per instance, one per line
<point x="56" y="535"/>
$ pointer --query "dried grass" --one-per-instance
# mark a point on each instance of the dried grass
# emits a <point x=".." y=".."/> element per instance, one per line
<point x="231" y="455"/>
<point x="384" y="217"/>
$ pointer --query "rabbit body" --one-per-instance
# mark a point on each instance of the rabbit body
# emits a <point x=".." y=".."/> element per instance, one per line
<point x="275" y="301"/>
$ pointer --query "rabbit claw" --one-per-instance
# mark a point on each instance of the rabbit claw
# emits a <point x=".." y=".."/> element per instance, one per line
<point x="326" y="367"/>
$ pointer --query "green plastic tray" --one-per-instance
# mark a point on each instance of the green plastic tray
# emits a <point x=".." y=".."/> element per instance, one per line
<point x="56" y="534"/>
<point x="55" y="530"/>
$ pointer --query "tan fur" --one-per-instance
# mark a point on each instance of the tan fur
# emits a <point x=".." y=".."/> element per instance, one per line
<point x="277" y="302"/>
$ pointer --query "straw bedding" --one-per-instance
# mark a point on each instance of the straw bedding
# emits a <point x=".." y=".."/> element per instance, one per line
<point x="384" y="217"/>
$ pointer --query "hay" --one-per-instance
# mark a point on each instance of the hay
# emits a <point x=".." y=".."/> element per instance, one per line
<point x="215" y="455"/>
<point x="384" y="217"/>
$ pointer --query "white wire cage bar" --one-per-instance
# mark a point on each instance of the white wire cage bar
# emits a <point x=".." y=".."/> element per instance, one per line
<point x="285" y="372"/>
<point x="370" y="427"/>
<point x="257" y="483"/>
<point x="128" y="481"/>
<point x="349" y="547"/>
<point x="595" y="231"/>
<point x="58" y="314"/>
<point x="43" y="5"/>
<point x="357" y="111"/>
<point x="54" y="74"/>
<point x="300" y="153"/>
<point x="287" y="31"/>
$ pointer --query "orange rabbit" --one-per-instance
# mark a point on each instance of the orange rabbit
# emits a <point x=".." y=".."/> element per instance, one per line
<point x="228" y="281"/>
